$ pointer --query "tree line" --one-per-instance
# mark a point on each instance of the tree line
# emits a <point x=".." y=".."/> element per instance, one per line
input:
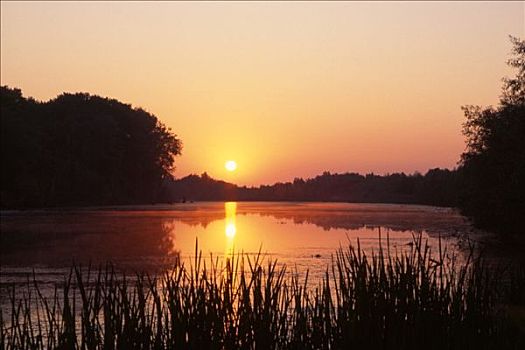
<point x="79" y="149"/>
<point x="437" y="187"/>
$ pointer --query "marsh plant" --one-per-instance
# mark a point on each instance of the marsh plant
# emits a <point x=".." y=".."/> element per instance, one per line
<point x="404" y="300"/>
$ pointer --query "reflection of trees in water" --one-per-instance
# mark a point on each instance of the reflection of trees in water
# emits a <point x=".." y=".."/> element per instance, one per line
<point x="200" y="219"/>
<point x="431" y="222"/>
<point x="435" y="221"/>
<point x="89" y="238"/>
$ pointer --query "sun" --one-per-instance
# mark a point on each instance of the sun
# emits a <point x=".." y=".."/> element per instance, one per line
<point x="230" y="165"/>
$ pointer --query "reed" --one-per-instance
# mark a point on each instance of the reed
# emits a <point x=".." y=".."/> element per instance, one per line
<point x="403" y="300"/>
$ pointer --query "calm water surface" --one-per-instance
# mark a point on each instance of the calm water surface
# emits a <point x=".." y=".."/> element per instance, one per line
<point x="152" y="238"/>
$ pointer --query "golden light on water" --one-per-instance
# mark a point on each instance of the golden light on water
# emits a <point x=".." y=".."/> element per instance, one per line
<point x="230" y="229"/>
<point x="230" y="165"/>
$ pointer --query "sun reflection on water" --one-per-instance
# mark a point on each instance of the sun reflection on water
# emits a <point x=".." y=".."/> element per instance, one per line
<point x="230" y="230"/>
<point x="230" y="210"/>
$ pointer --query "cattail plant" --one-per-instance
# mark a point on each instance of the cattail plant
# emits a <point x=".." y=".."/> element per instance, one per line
<point x="385" y="300"/>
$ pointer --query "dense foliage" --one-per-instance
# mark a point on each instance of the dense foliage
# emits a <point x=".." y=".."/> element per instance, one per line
<point x="436" y="187"/>
<point x="79" y="149"/>
<point x="493" y="167"/>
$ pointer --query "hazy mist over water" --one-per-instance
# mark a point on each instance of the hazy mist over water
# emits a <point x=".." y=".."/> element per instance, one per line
<point x="302" y="236"/>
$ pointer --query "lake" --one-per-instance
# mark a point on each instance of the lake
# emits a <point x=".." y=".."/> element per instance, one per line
<point x="302" y="236"/>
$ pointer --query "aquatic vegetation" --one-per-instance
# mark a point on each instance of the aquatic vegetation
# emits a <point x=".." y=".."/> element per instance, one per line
<point x="394" y="300"/>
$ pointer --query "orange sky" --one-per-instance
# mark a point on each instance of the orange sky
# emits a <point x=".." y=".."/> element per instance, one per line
<point x="285" y="89"/>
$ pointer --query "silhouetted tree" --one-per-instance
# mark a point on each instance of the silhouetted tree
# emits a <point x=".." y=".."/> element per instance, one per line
<point x="80" y="149"/>
<point x="493" y="167"/>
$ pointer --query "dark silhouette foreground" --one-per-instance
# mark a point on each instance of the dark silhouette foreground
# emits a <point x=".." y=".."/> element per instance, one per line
<point x="409" y="300"/>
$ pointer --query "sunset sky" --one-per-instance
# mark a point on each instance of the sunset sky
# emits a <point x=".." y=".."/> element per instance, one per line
<point x="284" y="89"/>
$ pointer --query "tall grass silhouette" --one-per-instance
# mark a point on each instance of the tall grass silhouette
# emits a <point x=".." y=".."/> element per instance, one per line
<point x="384" y="300"/>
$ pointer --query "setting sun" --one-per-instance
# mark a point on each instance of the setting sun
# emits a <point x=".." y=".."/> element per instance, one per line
<point x="230" y="165"/>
